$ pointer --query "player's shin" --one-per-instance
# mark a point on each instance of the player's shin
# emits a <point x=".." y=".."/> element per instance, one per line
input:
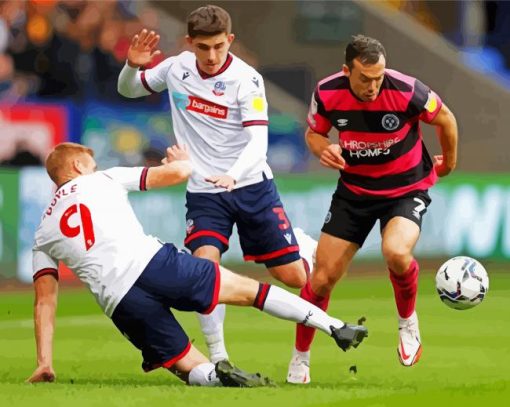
<point x="212" y="328"/>
<point x="405" y="287"/>
<point x="305" y="334"/>
<point x="282" y="304"/>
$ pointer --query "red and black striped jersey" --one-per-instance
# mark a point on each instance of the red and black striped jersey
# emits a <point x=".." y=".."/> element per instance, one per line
<point x="381" y="140"/>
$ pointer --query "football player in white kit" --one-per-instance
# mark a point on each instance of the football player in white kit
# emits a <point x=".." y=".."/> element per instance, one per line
<point x="219" y="110"/>
<point x="90" y="226"/>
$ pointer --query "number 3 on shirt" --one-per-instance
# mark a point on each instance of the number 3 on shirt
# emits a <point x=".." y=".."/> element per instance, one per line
<point x="86" y="225"/>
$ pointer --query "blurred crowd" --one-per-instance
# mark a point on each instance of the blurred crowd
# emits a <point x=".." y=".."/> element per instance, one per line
<point x="67" y="48"/>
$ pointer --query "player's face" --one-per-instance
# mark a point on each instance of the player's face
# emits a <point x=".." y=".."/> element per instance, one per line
<point x="366" y="80"/>
<point x="211" y="52"/>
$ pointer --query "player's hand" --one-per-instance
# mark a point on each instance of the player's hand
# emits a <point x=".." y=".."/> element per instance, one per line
<point x="222" y="181"/>
<point x="440" y="166"/>
<point x="331" y="157"/>
<point x="142" y="49"/>
<point x="176" y="153"/>
<point x="42" y="374"/>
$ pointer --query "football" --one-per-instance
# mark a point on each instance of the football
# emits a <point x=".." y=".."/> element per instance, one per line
<point x="462" y="282"/>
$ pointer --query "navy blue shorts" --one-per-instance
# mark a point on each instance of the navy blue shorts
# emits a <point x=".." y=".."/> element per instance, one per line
<point x="265" y="233"/>
<point x="172" y="279"/>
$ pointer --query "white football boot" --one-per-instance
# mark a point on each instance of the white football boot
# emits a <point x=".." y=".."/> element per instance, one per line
<point x="299" y="369"/>
<point x="307" y="247"/>
<point x="409" y="348"/>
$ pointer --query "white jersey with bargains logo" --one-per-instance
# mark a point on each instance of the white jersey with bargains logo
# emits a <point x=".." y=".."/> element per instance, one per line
<point x="209" y="113"/>
<point x="90" y="226"/>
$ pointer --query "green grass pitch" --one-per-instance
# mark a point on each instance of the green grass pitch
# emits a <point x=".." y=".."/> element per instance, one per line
<point x="466" y="357"/>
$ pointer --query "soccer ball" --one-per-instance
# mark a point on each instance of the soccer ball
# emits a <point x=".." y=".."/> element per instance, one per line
<point x="462" y="282"/>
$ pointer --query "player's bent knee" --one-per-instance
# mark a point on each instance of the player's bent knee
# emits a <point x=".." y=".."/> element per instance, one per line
<point x="292" y="275"/>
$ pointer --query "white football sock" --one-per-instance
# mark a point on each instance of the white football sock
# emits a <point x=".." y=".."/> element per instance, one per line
<point x="302" y="355"/>
<point x="307" y="247"/>
<point x="203" y="375"/>
<point x="212" y="328"/>
<point x="282" y="304"/>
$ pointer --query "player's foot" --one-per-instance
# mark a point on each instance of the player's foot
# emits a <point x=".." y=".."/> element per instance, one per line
<point x="307" y="247"/>
<point x="349" y="335"/>
<point x="231" y="376"/>
<point x="299" y="370"/>
<point x="409" y="348"/>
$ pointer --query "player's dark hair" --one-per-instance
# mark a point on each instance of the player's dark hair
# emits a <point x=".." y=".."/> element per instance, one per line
<point x="208" y="21"/>
<point x="367" y="49"/>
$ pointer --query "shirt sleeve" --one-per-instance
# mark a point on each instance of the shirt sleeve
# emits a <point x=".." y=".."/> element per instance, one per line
<point x="131" y="178"/>
<point x="252" y="101"/>
<point x="425" y="102"/>
<point x="42" y="264"/>
<point x="155" y="79"/>
<point x="317" y="119"/>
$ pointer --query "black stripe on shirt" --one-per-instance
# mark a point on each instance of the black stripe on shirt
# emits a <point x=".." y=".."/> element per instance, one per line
<point x="419" y="99"/>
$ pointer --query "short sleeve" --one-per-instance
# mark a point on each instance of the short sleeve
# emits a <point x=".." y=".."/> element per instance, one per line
<point x="317" y="119"/>
<point x="131" y="178"/>
<point x="425" y="102"/>
<point x="155" y="79"/>
<point x="252" y="101"/>
<point x="42" y="264"/>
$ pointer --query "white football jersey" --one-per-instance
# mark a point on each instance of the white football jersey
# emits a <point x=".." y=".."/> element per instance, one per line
<point x="90" y="226"/>
<point x="209" y="113"/>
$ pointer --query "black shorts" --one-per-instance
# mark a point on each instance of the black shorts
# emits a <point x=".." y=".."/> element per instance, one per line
<point x="353" y="220"/>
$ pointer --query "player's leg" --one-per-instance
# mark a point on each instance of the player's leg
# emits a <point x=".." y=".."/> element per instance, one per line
<point x="333" y="258"/>
<point x="208" y="230"/>
<point x="345" y="229"/>
<point x="176" y="279"/>
<point x="400" y="233"/>
<point x="266" y="235"/>
<point x="239" y="290"/>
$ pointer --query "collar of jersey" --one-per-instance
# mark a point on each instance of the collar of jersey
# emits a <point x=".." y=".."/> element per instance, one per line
<point x="224" y="67"/>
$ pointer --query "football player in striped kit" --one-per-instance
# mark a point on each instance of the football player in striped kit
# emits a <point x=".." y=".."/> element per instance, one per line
<point x="385" y="172"/>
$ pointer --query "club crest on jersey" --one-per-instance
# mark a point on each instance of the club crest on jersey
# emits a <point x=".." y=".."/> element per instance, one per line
<point x="219" y="88"/>
<point x="390" y="122"/>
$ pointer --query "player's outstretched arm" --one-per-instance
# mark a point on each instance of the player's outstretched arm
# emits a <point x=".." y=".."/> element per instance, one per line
<point x="45" y="305"/>
<point x="142" y="49"/>
<point x="330" y="155"/>
<point x="176" y="168"/>
<point x="446" y="126"/>
<point x="141" y="52"/>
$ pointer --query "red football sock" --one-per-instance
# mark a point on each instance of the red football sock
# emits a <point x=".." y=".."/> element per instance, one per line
<point x="405" y="287"/>
<point x="305" y="334"/>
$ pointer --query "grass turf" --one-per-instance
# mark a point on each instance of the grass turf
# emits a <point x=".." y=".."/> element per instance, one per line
<point x="466" y="357"/>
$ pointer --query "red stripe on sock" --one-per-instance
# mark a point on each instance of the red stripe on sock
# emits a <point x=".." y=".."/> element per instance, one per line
<point x="405" y="287"/>
<point x="305" y="334"/>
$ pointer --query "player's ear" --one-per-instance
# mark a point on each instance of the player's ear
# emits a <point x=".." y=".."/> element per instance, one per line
<point x="78" y="166"/>
<point x="346" y="70"/>
<point x="231" y="37"/>
<point x="189" y="40"/>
